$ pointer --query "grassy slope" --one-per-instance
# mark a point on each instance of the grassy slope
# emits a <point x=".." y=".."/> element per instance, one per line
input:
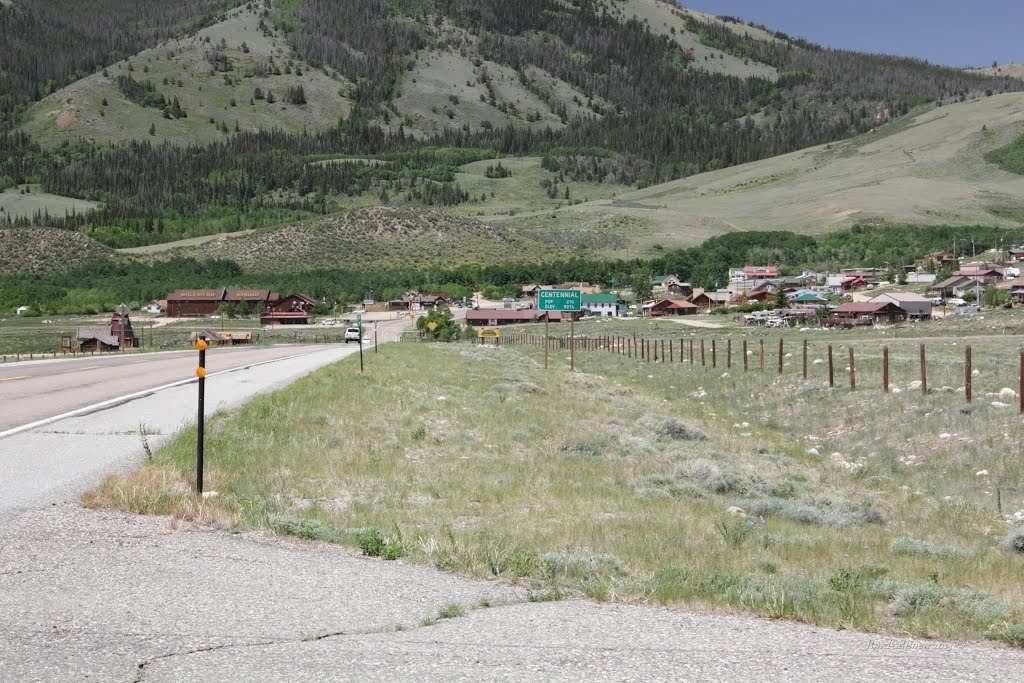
<point x="479" y="460"/>
<point x="29" y="250"/>
<point x="13" y="203"/>
<point x="663" y="16"/>
<point x="74" y="112"/>
<point x="379" y="237"/>
<point x="925" y="168"/>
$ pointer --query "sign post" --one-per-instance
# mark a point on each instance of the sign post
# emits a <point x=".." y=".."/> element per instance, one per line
<point x="359" y="323"/>
<point x="566" y="300"/>
<point x="201" y="374"/>
<point x="375" y="336"/>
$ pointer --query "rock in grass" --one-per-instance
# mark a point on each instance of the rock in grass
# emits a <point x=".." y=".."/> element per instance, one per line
<point x="1015" y="540"/>
<point x="735" y="511"/>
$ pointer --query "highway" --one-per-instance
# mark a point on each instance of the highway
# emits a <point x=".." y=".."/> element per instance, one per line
<point x="36" y="390"/>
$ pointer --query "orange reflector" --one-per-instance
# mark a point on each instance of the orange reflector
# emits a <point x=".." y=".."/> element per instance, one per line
<point x="201" y="344"/>
<point x="200" y="372"/>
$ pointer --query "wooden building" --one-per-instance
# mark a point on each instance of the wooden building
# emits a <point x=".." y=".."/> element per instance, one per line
<point x="863" y="313"/>
<point x="194" y="303"/>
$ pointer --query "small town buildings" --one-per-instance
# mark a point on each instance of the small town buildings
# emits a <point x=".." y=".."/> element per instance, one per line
<point x="484" y="317"/>
<point x="916" y="306"/>
<point x="984" y="274"/>
<point x="936" y="260"/>
<point x="285" y="318"/>
<point x="604" y="305"/>
<point x="683" y="289"/>
<point x="704" y="299"/>
<point x="1016" y="253"/>
<point x="222" y="338"/>
<point x="958" y="285"/>
<point x="807" y="298"/>
<point x="293" y="302"/>
<point x="865" y="313"/>
<point x="660" y="307"/>
<point x="99" y="339"/>
<point x="155" y="307"/>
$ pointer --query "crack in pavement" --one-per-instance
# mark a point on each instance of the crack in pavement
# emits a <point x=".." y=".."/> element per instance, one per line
<point x="315" y="638"/>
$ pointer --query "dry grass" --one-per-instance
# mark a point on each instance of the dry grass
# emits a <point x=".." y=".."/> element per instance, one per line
<point x="160" y="490"/>
<point x="478" y="460"/>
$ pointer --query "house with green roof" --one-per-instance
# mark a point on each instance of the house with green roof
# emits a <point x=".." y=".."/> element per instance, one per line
<point x="605" y="305"/>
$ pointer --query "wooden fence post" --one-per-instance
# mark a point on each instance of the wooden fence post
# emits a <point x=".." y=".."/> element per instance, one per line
<point x="702" y="362"/>
<point x="643" y="349"/>
<point x="780" y="356"/>
<point x="691" y="351"/>
<point x="728" y="354"/>
<point x="853" y="372"/>
<point x="663" y="350"/>
<point x="744" y="355"/>
<point x="655" y="350"/>
<point x="885" y="369"/>
<point x="1020" y="389"/>
<point x="714" y="353"/>
<point x="831" y="369"/>
<point x="762" y="354"/>
<point x="924" y="374"/>
<point x="967" y="373"/>
<point x="805" y="359"/>
<point x="671" y="352"/>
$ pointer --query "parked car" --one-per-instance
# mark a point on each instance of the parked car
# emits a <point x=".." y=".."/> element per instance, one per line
<point x="352" y="334"/>
<point x="938" y="301"/>
<point x="776" y="322"/>
<point x="957" y="302"/>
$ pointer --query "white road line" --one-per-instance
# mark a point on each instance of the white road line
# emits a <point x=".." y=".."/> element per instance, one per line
<point x="130" y="397"/>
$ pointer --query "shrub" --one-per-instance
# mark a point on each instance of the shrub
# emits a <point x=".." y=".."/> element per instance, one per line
<point x="979" y="607"/>
<point x="1015" y="540"/>
<point x="913" y="546"/>
<point x="309" y="529"/>
<point x="1011" y="634"/>
<point x="373" y="544"/>
<point x="674" y="428"/>
<point x="581" y="566"/>
<point x="822" y="512"/>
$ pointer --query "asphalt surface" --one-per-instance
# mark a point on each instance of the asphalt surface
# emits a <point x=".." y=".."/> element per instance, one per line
<point x="58" y="460"/>
<point x="34" y="390"/>
<point x="93" y="595"/>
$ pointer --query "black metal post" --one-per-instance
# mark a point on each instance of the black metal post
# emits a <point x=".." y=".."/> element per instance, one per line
<point x="201" y="374"/>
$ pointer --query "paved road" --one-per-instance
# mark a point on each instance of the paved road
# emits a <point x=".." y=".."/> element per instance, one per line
<point x="34" y="390"/>
<point x="58" y="460"/>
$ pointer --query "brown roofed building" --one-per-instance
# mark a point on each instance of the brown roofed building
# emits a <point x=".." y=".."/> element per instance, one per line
<point x="864" y="313"/>
<point x="194" y="303"/>
<point x="487" y="317"/>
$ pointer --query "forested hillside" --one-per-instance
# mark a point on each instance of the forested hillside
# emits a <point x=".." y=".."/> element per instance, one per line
<point x="222" y="128"/>
<point x="50" y="43"/>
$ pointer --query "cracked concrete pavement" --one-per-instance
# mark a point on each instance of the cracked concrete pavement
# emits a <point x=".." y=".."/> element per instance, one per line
<point x="107" y="596"/>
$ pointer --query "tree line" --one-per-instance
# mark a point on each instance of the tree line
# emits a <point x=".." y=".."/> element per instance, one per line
<point x="103" y="283"/>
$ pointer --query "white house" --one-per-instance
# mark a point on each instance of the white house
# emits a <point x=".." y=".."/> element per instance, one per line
<point x="20" y="309"/>
<point x="153" y="307"/>
<point x="604" y="305"/>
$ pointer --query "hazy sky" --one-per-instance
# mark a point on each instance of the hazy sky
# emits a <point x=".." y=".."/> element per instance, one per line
<point x="950" y="32"/>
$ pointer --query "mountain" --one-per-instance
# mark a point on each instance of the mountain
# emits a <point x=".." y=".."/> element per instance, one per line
<point x="205" y="117"/>
<point x="931" y="167"/>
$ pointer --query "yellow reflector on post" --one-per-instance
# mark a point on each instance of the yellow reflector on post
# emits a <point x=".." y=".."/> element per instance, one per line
<point x="200" y="372"/>
<point x="201" y="344"/>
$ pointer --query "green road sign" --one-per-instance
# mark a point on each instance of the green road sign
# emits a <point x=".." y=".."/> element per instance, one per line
<point x="559" y="300"/>
<point x="359" y="320"/>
